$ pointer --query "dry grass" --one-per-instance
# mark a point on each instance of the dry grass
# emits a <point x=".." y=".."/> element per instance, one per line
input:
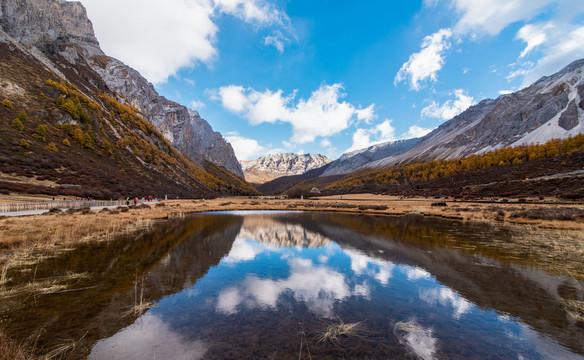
<point x="9" y="350"/>
<point x="334" y="332"/>
<point x="27" y="240"/>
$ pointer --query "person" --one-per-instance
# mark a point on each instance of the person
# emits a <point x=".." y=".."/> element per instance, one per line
<point x="135" y="201"/>
<point x="127" y="201"/>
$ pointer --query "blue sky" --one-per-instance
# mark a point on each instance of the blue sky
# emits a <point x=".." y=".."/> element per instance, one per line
<point x="331" y="76"/>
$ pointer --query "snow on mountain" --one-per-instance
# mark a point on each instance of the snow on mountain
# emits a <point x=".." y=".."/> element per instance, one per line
<point x="272" y="166"/>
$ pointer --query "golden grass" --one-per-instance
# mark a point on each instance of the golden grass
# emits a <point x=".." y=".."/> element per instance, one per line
<point x="27" y="240"/>
<point x="334" y="332"/>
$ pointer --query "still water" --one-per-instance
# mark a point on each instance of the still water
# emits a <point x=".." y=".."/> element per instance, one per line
<point x="296" y="285"/>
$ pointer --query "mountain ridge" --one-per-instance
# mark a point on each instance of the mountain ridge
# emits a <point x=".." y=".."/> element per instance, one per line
<point x="272" y="166"/>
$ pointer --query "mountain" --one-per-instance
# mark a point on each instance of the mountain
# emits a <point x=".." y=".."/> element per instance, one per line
<point x="552" y="107"/>
<point x="353" y="160"/>
<point x="52" y="27"/>
<point x="76" y="122"/>
<point x="273" y="166"/>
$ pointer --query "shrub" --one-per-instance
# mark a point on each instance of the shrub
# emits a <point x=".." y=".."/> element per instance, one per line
<point x="17" y="124"/>
<point x="23" y="144"/>
<point x="66" y="142"/>
<point x="7" y="104"/>
<point x="107" y="147"/>
<point x="78" y="135"/>
<point x="52" y="147"/>
<point x="22" y="116"/>
<point x="88" y="141"/>
<point x="41" y="133"/>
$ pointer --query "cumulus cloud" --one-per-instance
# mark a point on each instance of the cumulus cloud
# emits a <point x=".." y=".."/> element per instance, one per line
<point x="450" y="108"/>
<point x="426" y="63"/>
<point x="159" y="39"/>
<point x="322" y="114"/>
<point x="367" y="114"/>
<point x="245" y="148"/>
<point x="533" y="36"/>
<point x="416" y="131"/>
<point x="364" y="138"/>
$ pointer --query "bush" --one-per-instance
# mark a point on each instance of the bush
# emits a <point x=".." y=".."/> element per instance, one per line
<point x="52" y="147"/>
<point x="107" y="147"/>
<point x="22" y="116"/>
<point x="88" y="141"/>
<point x="17" y="124"/>
<point x="7" y="104"/>
<point x="41" y="133"/>
<point x="23" y="144"/>
<point x="66" y="142"/>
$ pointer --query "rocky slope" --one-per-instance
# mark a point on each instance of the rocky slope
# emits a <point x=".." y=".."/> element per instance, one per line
<point x="75" y="128"/>
<point x="273" y="166"/>
<point x="353" y="160"/>
<point x="46" y="28"/>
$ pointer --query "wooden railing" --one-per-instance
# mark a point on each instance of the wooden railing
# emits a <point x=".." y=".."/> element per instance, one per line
<point x="60" y="204"/>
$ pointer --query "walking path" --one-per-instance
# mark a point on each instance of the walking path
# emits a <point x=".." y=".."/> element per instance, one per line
<point x="99" y="207"/>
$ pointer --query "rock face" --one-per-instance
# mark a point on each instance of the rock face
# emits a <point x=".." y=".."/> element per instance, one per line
<point x="273" y="166"/>
<point x="48" y="27"/>
<point x="552" y="107"/>
<point x="183" y="127"/>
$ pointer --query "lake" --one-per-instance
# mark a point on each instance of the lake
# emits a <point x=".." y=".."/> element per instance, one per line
<point x="298" y="285"/>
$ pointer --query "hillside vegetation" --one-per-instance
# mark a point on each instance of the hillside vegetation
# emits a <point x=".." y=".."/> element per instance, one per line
<point x="60" y="140"/>
<point x="450" y="177"/>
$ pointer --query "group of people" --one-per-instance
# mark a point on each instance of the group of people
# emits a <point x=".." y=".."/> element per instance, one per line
<point x="147" y="198"/>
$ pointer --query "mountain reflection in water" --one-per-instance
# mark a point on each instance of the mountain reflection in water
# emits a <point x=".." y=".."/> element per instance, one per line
<point x="281" y="285"/>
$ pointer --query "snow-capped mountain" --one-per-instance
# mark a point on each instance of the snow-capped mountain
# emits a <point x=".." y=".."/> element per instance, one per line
<point x="272" y="166"/>
<point x="552" y="107"/>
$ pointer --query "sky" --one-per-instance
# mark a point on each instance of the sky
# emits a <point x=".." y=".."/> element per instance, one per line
<point x="331" y="76"/>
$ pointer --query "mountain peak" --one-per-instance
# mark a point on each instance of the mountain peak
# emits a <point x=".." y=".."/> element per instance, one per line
<point x="272" y="166"/>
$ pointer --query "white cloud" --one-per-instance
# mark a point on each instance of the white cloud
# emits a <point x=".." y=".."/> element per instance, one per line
<point x="364" y="138"/>
<point x="253" y="11"/>
<point x="426" y="63"/>
<point x="277" y="40"/>
<point x="147" y="333"/>
<point x="323" y="114"/>
<point x="450" y="108"/>
<point x="416" y="131"/>
<point x="245" y="149"/>
<point x="158" y="39"/>
<point x="367" y="114"/>
<point x="325" y="143"/>
<point x="196" y="104"/>
<point x="505" y="92"/>
<point x="490" y="17"/>
<point x="533" y="36"/>
<point x="563" y="46"/>
<point x="319" y="287"/>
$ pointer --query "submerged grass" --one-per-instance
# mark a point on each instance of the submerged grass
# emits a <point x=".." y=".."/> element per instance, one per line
<point x="334" y="332"/>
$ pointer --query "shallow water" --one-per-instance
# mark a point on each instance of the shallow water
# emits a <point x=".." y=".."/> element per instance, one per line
<point x="301" y="285"/>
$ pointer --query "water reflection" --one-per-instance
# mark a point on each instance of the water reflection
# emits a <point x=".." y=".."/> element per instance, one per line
<point x="287" y="273"/>
<point x="257" y="285"/>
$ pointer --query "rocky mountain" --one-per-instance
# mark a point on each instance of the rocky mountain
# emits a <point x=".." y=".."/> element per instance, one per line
<point x="273" y="166"/>
<point x="353" y="160"/>
<point x="55" y="27"/>
<point x="76" y="122"/>
<point x="552" y="107"/>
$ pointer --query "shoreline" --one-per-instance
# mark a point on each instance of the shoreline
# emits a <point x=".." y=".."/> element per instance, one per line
<point x="555" y="242"/>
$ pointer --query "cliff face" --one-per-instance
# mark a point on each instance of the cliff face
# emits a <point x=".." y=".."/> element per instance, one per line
<point x="184" y="128"/>
<point x="273" y="166"/>
<point x="46" y="28"/>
